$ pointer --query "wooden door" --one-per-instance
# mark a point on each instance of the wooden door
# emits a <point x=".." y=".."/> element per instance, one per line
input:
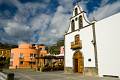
<point x="76" y="65"/>
<point x="80" y="65"/>
<point x="78" y="62"/>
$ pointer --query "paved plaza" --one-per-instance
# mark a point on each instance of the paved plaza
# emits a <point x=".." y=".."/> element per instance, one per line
<point x="56" y="75"/>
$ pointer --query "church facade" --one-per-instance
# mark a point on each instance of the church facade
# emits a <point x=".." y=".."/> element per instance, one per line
<point x="79" y="50"/>
<point x="88" y="48"/>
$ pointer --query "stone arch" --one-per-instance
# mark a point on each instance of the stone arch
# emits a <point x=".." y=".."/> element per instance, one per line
<point x="78" y="62"/>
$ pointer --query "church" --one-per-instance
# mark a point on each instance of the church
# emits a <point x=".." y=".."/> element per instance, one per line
<point x="92" y="48"/>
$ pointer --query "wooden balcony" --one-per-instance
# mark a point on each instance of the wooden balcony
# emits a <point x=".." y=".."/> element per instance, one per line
<point x="76" y="45"/>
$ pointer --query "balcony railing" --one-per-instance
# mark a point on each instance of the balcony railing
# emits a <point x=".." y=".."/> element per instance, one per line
<point x="76" y="45"/>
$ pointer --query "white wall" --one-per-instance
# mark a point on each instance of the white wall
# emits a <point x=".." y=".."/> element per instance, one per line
<point x="69" y="52"/>
<point x="87" y="47"/>
<point x="108" y="45"/>
<point x="86" y="36"/>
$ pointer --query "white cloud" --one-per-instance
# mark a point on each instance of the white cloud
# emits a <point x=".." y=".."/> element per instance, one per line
<point x="40" y="22"/>
<point x="17" y="30"/>
<point x="52" y="26"/>
<point x="105" y="11"/>
<point x="47" y="28"/>
<point x="60" y="21"/>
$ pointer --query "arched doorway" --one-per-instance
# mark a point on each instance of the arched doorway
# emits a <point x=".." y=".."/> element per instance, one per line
<point x="78" y="62"/>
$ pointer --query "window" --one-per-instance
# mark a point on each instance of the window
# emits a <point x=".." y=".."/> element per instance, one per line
<point x="41" y="55"/>
<point x="35" y="55"/>
<point x="40" y="48"/>
<point x="21" y="56"/>
<point x="34" y="63"/>
<point x="76" y="11"/>
<point x="72" y="26"/>
<point x="31" y="55"/>
<point x="30" y="62"/>
<point x="21" y="62"/>
<point x="43" y="48"/>
<point x="80" y="22"/>
<point x="77" y="39"/>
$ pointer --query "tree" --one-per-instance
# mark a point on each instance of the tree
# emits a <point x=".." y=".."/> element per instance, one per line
<point x="60" y="43"/>
<point x="7" y="46"/>
<point x="55" y="49"/>
<point x="2" y="62"/>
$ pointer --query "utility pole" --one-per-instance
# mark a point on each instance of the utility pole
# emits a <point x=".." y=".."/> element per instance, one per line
<point x="95" y="46"/>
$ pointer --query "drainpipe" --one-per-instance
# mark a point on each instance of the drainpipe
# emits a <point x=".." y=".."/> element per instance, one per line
<point x="95" y="46"/>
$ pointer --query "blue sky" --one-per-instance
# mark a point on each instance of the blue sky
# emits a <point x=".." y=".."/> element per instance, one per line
<point x="45" y="21"/>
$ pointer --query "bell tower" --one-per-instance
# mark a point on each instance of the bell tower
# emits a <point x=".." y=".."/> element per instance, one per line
<point x="78" y="19"/>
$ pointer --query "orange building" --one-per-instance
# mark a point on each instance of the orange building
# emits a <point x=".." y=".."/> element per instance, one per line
<point x="25" y="56"/>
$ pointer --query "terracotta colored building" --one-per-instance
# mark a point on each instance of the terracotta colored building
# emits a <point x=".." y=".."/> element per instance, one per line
<point x="25" y="56"/>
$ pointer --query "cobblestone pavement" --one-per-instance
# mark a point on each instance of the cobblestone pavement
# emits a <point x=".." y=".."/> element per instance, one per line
<point x="57" y="75"/>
